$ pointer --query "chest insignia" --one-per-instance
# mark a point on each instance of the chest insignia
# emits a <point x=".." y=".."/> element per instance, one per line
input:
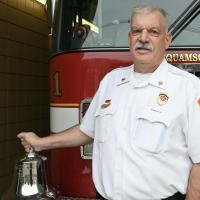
<point x="162" y="99"/>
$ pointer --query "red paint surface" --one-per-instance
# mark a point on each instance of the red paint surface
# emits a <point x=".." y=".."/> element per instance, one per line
<point x="80" y="73"/>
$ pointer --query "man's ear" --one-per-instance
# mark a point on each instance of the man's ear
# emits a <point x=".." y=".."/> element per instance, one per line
<point x="168" y="40"/>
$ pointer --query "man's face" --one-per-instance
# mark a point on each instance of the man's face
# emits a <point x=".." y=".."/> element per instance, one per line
<point x="148" y="40"/>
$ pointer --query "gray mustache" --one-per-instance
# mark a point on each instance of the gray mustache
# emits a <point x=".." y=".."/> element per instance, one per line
<point x="146" y="46"/>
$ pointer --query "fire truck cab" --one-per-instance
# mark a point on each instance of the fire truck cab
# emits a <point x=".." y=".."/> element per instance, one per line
<point x="89" y="39"/>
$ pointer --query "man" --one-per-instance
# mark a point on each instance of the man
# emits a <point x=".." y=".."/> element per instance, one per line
<point x="143" y="121"/>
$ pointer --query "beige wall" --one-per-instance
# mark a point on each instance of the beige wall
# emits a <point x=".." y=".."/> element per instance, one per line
<point x="24" y="89"/>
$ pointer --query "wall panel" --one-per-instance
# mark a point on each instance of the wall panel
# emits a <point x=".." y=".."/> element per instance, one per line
<point x="24" y="82"/>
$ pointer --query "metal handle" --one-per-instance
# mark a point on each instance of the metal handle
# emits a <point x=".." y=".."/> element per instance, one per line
<point x="31" y="150"/>
<point x="31" y="153"/>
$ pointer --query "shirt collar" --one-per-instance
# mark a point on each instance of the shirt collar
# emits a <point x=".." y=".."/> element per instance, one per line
<point x="159" y="76"/>
<point x="123" y="78"/>
<point x="157" y="79"/>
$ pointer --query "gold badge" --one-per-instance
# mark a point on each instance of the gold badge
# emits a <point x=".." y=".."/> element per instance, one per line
<point x="162" y="99"/>
<point x="106" y="104"/>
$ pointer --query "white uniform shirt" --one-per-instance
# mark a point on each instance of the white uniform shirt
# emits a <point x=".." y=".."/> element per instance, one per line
<point x="144" y="144"/>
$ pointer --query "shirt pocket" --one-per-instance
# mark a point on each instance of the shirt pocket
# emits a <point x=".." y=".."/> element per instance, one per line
<point x="104" y="123"/>
<point x="151" y="131"/>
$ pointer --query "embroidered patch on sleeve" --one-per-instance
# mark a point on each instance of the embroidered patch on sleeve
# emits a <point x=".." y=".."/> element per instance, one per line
<point x="198" y="102"/>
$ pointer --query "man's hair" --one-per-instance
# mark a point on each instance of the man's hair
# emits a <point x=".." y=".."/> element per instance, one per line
<point x="149" y="9"/>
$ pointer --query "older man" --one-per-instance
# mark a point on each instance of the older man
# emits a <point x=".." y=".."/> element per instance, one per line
<point x="143" y="120"/>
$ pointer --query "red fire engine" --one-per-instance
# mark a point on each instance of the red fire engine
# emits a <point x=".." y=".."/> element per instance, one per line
<point x="90" y="38"/>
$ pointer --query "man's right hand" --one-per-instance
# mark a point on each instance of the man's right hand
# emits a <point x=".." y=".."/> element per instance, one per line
<point x="30" y="141"/>
<point x="71" y="137"/>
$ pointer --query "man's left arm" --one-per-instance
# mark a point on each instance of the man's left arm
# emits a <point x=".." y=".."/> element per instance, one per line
<point x="193" y="190"/>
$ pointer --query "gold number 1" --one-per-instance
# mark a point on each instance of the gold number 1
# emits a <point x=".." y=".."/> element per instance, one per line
<point x="57" y="91"/>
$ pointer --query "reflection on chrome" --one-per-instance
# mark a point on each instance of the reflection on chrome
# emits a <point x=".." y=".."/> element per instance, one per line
<point x="28" y="190"/>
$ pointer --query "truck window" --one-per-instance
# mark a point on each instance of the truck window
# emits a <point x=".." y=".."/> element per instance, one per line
<point x="86" y="24"/>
